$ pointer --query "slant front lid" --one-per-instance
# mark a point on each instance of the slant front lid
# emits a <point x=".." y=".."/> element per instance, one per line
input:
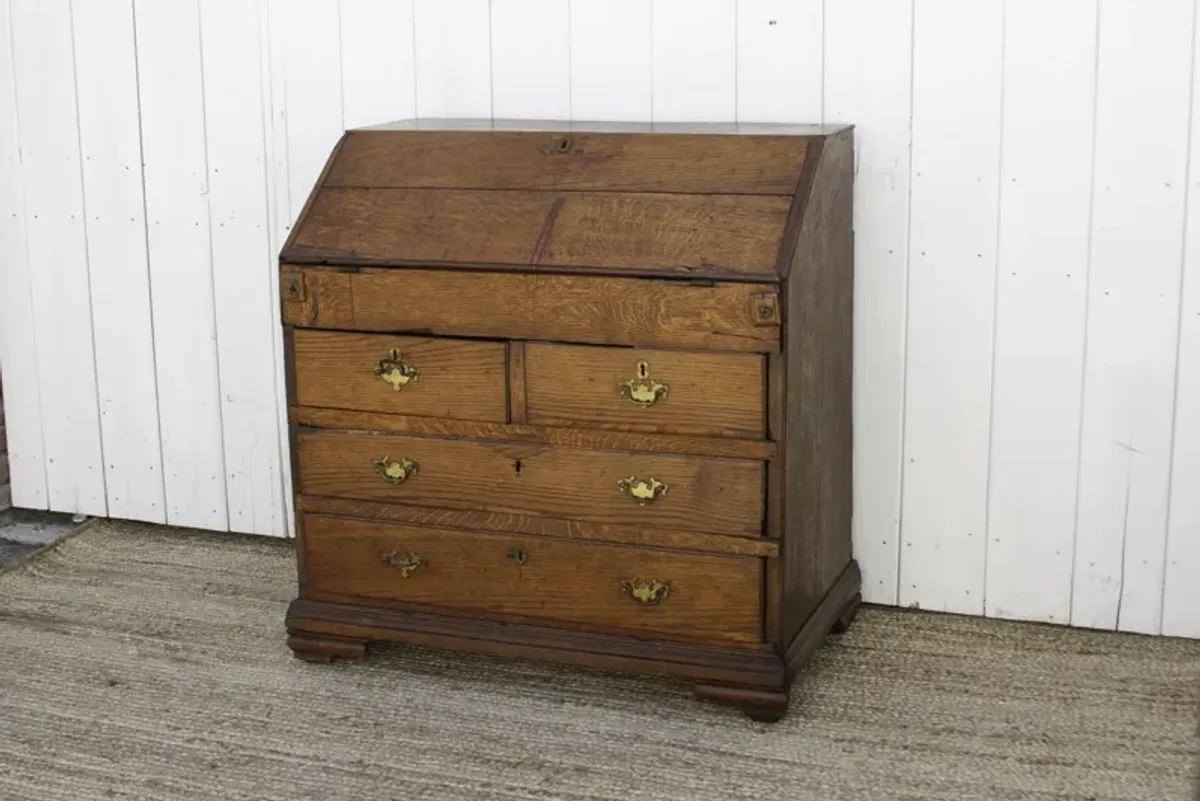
<point x="707" y="202"/>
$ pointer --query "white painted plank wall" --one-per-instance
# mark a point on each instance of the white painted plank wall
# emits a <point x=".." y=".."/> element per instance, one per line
<point x="1027" y="355"/>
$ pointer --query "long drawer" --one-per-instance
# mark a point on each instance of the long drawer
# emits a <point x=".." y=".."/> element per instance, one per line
<point x="720" y="496"/>
<point x="602" y="587"/>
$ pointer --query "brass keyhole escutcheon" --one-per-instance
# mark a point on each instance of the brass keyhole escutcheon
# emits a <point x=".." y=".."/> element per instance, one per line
<point x="393" y="371"/>
<point x="518" y="555"/>
<point x="406" y="563"/>
<point x="643" y="391"/>
<point x="642" y="491"/>
<point x="562" y="144"/>
<point x="395" y="471"/>
<point x="647" y="593"/>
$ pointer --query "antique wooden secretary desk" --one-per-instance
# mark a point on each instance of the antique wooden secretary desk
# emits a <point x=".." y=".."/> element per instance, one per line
<point x="578" y="393"/>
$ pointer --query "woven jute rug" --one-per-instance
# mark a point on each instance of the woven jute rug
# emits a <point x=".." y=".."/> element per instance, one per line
<point x="146" y="663"/>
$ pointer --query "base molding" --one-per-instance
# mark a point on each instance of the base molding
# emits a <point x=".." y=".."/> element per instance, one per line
<point x="755" y="679"/>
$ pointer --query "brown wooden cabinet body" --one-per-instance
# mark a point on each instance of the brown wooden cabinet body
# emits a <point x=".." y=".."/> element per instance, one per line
<point x="579" y="393"/>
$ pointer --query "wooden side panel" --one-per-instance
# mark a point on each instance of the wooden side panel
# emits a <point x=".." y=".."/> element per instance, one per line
<point x="601" y="311"/>
<point x="111" y="146"/>
<point x="603" y="87"/>
<point x="378" y="66"/>
<point x="57" y="241"/>
<point x="689" y="234"/>
<point x="711" y="394"/>
<point x="245" y="302"/>
<point x="531" y="75"/>
<point x="957" y="74"/>
<point x="819" y="441"/>
<point x="682" y="163"/>
<point x="18" y="340"/>
<point x="868" y="82"/>
<point x="720" y="496"/>
<point x="1133" y="313"/>
<point x="181" y="278"/>
<point x="1041" y="293"/>
<point x="709" y="597"/>
<point x="694" y="51"/>
<point x="780" y="58"/>
<point x="454" y="378"/>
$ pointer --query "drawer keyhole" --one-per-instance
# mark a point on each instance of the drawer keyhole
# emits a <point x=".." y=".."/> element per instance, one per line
<point x="517" y="466"/>
<point x="518" y="555"/>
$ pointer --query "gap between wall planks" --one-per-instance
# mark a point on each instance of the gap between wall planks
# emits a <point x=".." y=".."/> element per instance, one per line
<point x="998" y="199"/>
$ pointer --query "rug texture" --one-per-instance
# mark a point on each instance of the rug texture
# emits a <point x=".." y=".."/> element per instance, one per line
<point x="139" y="662"/>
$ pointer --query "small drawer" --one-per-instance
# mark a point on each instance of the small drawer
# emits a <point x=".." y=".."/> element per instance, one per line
<point x="422" y="376"/>
<point x="719" y="496"/>
<point x="676" y="392"/>
<point x="602" y="587"/>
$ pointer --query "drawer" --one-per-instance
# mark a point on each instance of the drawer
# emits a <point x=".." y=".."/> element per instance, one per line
<point x="598" y="586"/>
<point x="680" y="392"/>
<point x="720" y="496"/>
<point x="422" y="376"/>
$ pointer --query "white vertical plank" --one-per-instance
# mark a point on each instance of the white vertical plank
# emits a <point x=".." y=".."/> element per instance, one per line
<point x="531" y="59"/>
<point x="454" y="58"/>
<point x="1181" y="590"/>
<point x="1133" y="304"/>
<point x="18" y="338"/>
<point x="780" y="57"/>
<point x="868" y="72"/>
<point x="181" y="280"/>
<point x="279" y="218"/>
<point x="378" y="66"/>
<point x="57" y="242"/>
<point x="1041" y="287"/>
<point x="952" y="251"/>
<point x="242" y="265"/>
<point x="610" y="60"/>
<point x="694" y="46"/>
<point x="110" y="140"/>
<point x="311" y="41"/>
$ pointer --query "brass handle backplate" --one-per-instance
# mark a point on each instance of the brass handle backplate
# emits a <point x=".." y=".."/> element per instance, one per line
<point x="395" y="471"/>
<point x="647" y="593"/>
<point x="393" y="371"/>
<point x="406" y="563"/>
<point x="643" y="390"/>
<point x="642" y="490"/>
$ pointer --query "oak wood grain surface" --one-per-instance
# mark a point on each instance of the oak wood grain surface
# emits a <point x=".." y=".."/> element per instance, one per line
<point x="698" y="163"/>
<point x="667" y="233"/>
<point x="566" y="308"/>
<point x="586" y="438"/>
<point x="457" y="379"/>
<point x="508" y="523"/>
<point x="721" y="496"/>
<point x="713" y="596"/>
<point x="710" y="394"/>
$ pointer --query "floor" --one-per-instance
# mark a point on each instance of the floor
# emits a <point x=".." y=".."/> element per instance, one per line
<point x="145" y="663"/>
<point x="23" y="532"/>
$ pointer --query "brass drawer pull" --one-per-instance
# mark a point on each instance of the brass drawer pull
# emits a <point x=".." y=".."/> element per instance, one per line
<point x="643" y="391"/>
<point x="393" y="371"/>
<point x="642" y="491"/>
<point x="395" y="472"/>
<point x="647" y="593"/>
<point x="406" y="563"/>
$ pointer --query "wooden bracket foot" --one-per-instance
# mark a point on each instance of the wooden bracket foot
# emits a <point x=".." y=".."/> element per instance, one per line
<point x="324" y="647"/>
<point x="849" y="612"/>
<point x="764" y="706"/>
